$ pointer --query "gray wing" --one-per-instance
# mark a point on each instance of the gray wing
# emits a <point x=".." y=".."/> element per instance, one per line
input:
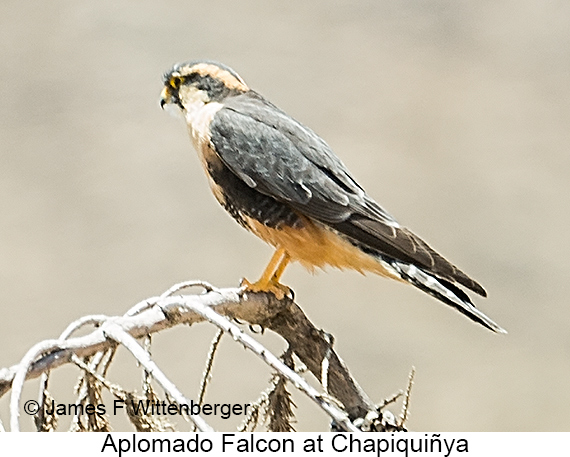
<point x="280" y="157"/>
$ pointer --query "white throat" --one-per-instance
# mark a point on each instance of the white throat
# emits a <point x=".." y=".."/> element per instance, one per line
<point x="199" y="115"/>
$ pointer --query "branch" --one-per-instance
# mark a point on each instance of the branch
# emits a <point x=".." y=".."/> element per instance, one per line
<point x="311" y="345"/>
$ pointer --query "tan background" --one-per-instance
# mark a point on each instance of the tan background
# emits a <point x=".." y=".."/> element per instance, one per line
<point x="454" y="115"/>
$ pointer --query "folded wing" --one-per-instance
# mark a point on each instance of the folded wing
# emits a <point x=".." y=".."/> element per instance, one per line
<point x="281" y="158"/>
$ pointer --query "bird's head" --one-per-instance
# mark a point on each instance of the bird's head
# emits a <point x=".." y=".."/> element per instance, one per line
<point x="200" y="82"/>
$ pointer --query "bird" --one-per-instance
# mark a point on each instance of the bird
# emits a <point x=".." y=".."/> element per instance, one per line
<point x="280" y="180"/>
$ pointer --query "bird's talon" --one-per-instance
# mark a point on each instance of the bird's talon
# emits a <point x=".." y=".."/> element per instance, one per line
<point x="276" y="288"/>
<point x="244" y="283"/>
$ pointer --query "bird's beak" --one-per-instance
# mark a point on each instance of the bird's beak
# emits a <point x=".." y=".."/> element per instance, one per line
<point x="169" y="96"/>
<point x="165" y="97"/>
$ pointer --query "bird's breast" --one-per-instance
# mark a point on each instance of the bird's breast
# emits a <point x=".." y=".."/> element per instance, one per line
<point x="199" y="116"/>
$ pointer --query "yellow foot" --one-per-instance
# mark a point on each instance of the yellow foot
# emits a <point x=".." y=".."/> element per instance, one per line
<point x="276" y="288"/>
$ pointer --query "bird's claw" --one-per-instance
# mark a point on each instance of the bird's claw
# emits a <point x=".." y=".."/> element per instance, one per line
<point x="276" y="288"/>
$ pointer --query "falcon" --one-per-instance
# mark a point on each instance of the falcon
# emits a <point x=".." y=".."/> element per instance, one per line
<point x="281" y="181"/>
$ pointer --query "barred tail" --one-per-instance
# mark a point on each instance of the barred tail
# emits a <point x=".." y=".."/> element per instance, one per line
<point x="445" y="291"/>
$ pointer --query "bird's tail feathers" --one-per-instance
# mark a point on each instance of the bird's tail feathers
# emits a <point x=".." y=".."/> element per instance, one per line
<point x="445" y="291"/>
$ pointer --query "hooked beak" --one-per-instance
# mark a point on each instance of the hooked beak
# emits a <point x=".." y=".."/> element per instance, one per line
<point x="165" y="97"/>
<point x="169" y="96"/>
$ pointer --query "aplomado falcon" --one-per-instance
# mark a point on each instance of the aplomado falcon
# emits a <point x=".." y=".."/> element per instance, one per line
<point x="282" y="182"/>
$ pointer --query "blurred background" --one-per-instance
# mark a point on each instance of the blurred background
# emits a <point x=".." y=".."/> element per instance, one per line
<point x="454" y="115"/>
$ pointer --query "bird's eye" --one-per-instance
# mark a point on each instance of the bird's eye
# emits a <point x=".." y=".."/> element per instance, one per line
<point x="175" y="82"/>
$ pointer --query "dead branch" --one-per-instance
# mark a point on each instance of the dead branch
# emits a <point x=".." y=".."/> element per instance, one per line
<point x="343" y="399"/>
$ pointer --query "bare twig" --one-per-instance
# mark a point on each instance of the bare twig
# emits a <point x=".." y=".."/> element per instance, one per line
<point x="247" y="341"/>
<point x="96" y="320"/>
<point x="206" y="376"/>
<point x="325" y="363"/>
<point x="21" y="371"/>
<point x="406" y="405"/>
<point x="120" y="336"/>
<point x="219" y="306"/>
<point x="184" y="285"/>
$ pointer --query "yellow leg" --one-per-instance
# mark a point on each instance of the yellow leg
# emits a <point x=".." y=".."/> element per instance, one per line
<point x="285" y="259"/>
<point x="269" y="281"/>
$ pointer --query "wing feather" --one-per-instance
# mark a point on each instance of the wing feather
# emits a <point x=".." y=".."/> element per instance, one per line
<point x="275" y="154"/>
<point x="280" y="157"/>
